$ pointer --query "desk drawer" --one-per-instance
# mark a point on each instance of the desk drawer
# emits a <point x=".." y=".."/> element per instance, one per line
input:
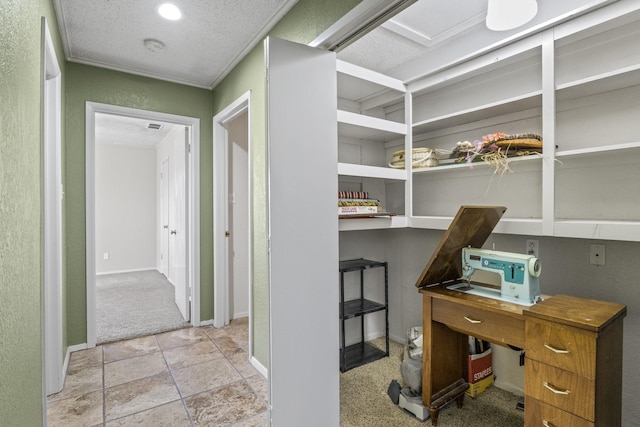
<point x="561" y="347"/>
<point x="480" y="323"/>
<point x="540" y="414"/>
<point x="557" y="387"/>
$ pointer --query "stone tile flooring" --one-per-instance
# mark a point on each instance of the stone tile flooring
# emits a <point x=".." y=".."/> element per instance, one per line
<point x="189" y="377"/>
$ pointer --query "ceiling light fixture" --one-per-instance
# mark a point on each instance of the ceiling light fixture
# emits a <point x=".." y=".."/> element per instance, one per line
<point x="169" y="11"/>
<point x="505" y="15"/>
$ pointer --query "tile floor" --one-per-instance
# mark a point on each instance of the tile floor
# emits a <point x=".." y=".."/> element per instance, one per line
<point x="189" y="377"/>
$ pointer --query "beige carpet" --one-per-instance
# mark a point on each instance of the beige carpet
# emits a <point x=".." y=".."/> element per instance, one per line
<point x="364" y="400"/>
<point x="135" y="304"/>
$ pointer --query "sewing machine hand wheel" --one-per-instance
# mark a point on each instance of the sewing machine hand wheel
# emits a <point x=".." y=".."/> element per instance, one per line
<point x="534" y="267"/>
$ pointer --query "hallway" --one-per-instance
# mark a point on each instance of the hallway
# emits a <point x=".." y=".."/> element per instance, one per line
<point x="189" y="377"/>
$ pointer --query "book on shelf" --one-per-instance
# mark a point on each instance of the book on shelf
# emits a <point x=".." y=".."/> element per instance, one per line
<point x="350" y="210"/>
<point x="358" y="202"/>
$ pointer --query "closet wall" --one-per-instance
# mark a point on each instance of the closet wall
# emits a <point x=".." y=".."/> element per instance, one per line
<point x="577" y="86"/>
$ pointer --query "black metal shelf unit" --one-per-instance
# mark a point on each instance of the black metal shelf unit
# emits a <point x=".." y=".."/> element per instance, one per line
<point x="361" y="353"/>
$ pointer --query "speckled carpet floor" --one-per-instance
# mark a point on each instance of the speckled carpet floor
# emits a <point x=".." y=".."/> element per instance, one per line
<point x="364" y="400"/>
<point x="130" y="305"/>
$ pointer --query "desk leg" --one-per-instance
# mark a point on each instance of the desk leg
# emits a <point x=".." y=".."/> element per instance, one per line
<point x="444" y="355"/>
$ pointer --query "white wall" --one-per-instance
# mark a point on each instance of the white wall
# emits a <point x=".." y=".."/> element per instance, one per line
<point x="239" y="213"/>
<point x="125" y="208"/>
<point x="565" y="269"/>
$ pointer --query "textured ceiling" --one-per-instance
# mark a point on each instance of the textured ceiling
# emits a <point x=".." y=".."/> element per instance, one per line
<point x="199" y="49"/>
<point x="214" y="35"/>
<point x="433" y="34"/>
<point x="134" y="132"/>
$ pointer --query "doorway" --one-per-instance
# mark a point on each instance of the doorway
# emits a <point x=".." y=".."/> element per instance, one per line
<point x="52" y="184"/>
<point x="232" y="214"/>
<point x="184" y="229"/>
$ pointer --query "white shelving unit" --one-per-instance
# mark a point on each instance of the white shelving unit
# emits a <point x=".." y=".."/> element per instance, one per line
<point x="577" y="85"/>
<point x="503" y="93"/>
<point x="597" y="128"/>
<point x="364" y="129"/>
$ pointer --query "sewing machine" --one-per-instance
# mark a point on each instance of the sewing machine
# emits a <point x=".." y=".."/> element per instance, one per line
<point x="518" y="275"/>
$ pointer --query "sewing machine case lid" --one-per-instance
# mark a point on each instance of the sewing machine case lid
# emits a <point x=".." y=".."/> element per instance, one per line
<point x="471" y="226"/>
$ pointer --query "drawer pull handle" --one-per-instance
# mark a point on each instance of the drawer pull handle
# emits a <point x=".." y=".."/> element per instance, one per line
<point x="546" y="423"/>
<point x="555" y="390"/>
<point x="556" y="350"/>
<point x="475" y="322"/>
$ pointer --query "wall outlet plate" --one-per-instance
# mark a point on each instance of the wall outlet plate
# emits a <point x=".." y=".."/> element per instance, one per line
<point x="596" y="254"/>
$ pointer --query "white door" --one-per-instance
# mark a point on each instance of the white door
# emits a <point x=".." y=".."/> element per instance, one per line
<point x="239" y="214"/>
<point x="179" y="227"/>
<point x="234" y="119"/>
<point x="52" y="185"/>
<point x="303" y="234"/>
<point x="164" y="217"/>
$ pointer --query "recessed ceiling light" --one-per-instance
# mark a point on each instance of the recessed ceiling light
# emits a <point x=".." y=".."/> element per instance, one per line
<point x="169" y="11"/>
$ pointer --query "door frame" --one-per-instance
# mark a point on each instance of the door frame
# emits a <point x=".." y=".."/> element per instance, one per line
<point x="52" y="217"/>
<point x="91" y="108"/>
<point x="221" y="252"/>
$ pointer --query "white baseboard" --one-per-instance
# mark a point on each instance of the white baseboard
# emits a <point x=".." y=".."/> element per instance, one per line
<point x="259" y="367"/>
<point x="376" y="334"/>
<point x="67" y="357"/>
<point x="206" y="322"/>
<point x="134" y="270"/>
<point x="508" y="387"/>
<point x="240" y="315"/>
<point x="77" y="347"/>
<point x="400" y="340"/>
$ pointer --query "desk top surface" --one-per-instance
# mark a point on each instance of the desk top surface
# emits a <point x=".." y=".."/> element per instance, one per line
<point x="588" y="314"/>
<point x="485" y="303"/>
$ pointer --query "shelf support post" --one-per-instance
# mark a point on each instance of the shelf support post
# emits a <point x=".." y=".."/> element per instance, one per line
<point x="408" y="150"/>
<point x="548" y="132"/>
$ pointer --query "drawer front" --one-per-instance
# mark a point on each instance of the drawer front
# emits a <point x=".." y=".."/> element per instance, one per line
<point x="479" y="323"/>
<point x="563" y="389"/>
<point x="540" y="414"/>
<point x="561" y="347"/>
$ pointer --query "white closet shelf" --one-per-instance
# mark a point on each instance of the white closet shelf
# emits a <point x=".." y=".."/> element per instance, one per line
<point x="365" y="171"/>
<point x="599" y="149"/>
<point x="594" y="229"/>
<point x="370" y="76"/>
<point x="525" y="226"/>
<point x="375" y="123"/>
<point x="599" y="83"/>
<point x="523" y="102"/>
<point x="377" y="223"/>
<point x="479" y="164"/>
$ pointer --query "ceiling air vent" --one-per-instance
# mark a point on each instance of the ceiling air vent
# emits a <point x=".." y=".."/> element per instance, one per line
<point x="156" y="126"/>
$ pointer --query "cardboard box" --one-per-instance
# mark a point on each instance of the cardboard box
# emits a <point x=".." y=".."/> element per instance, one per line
<point x="478" y="387"/>
<point x="480" y="366"/>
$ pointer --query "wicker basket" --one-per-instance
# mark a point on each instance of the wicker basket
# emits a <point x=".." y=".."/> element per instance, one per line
<point x="420" y="158"/>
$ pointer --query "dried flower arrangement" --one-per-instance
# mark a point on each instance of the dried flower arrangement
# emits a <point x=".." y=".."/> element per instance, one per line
<point x="496" y="148"/>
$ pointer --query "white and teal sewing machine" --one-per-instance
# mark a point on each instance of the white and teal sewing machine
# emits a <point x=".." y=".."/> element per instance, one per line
<point x="519" y="275"/>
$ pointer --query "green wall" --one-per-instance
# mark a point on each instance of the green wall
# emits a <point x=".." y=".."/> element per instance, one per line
<point x="302" y="24"/>
<point x="86" y="83"/>
<point x="21" y="201"/>
<point x="20" y="181"/>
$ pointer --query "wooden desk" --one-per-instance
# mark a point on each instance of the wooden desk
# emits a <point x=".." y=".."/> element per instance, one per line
<point x="573" y="347"/>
